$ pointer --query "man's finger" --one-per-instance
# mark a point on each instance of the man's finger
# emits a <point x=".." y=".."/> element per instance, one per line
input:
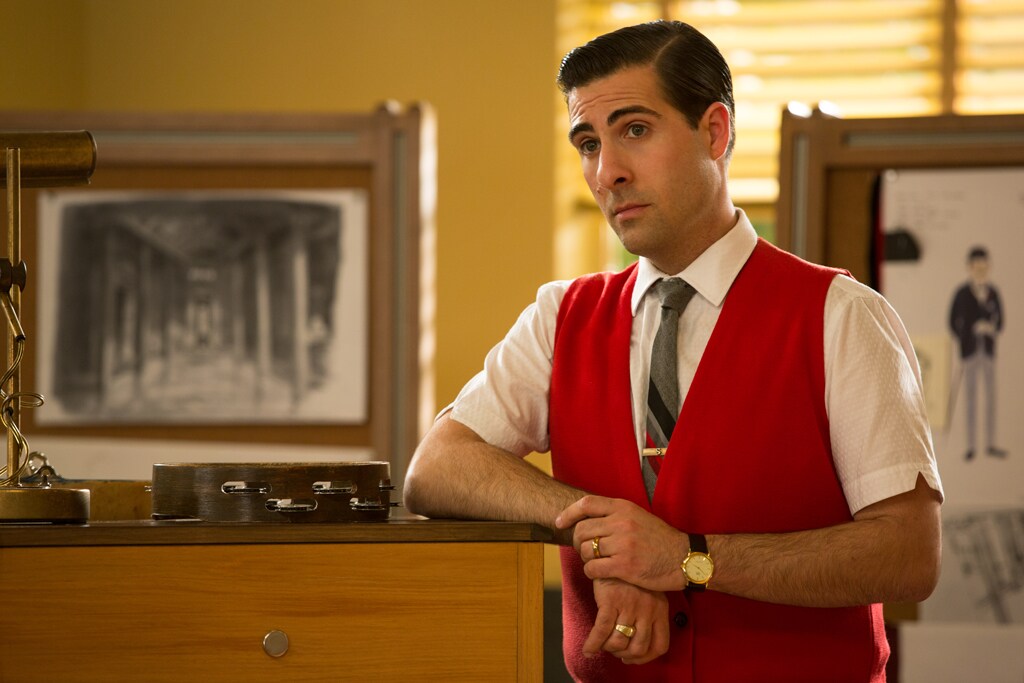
<point x="640" y="642"/>
<point x="587" y="506"/>
<point x="595" y="547"/>
<point x="617" y="644"/>
<point x="604" y="626"/>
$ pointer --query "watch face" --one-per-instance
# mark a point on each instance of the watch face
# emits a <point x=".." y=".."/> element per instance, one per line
<point x="698" y="568"/>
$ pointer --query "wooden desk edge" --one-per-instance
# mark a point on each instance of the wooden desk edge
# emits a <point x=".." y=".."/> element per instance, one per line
<point x="145" y="532"/>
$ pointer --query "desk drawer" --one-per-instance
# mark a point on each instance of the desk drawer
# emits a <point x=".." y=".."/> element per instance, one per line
<point x="396" y="611"/>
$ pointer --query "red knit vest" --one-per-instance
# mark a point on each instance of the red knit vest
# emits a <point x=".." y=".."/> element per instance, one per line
<point x="750" y="453"/>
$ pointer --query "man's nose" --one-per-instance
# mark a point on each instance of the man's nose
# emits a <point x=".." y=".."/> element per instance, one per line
<point x="612" y="169"/>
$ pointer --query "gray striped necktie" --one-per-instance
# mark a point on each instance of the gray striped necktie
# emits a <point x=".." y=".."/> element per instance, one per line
<point x="663" y="390"/>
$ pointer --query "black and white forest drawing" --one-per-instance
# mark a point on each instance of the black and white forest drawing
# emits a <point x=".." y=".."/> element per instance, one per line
<point x="203" y="307"/>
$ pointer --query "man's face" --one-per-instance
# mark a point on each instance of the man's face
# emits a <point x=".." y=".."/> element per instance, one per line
<point x="653" y="176"/>
<point x="978" y="268"/>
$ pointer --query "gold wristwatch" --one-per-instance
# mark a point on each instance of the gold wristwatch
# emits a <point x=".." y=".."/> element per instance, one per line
<point x="698" y="566"/>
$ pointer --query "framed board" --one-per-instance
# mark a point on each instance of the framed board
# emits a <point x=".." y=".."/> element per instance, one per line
<point x="903" y="203"/>
<point x="829" y="169"/>
<point x="231" y="279"/>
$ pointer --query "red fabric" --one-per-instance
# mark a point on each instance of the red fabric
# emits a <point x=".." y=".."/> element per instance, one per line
<point x="750" y="453"/>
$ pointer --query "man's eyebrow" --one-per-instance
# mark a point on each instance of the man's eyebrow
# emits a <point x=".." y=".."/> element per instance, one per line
<point x="579" y="128"/>
<point x="612" y="118"/>
<point x="635" y="109"/>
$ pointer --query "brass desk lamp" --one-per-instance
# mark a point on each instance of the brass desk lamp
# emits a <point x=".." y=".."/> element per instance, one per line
<point x="40" y="160"/>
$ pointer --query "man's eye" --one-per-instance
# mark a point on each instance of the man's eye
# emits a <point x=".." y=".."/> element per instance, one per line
<point x="588" y="146"/>
<point x="637" y="129"/>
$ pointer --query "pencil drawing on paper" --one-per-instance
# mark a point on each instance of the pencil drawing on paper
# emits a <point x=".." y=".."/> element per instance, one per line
<point x="203" y="307"/>
<point x="988" y="552"/>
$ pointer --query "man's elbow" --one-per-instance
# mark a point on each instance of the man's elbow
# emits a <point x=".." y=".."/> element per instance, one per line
<point x="416" y="489"/>
<point x="921" y="566"/>
<point x="410" y="497"/>
<point x="420" y="486"/>
<point x="923" y="578"/>
<point x="917" y="538"/>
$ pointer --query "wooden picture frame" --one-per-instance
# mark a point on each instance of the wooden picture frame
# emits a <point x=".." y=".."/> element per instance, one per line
<point x="828" y="168"/>
<point x="389" y="155"/>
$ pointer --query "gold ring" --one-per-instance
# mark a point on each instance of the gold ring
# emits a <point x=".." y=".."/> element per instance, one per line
<point x="625" y="630"/>
<point x="596" y="545"/>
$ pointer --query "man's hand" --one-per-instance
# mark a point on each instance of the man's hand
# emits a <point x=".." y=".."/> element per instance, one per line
<point x="621" y="603"/>
<point x="985" y="328"/>
<point x="634" y="545"/>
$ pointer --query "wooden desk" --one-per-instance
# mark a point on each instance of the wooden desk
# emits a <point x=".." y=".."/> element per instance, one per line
<point x="404" y="600"/>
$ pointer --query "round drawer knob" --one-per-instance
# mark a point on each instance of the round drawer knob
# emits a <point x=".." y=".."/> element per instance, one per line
<point x="275" y="643"/>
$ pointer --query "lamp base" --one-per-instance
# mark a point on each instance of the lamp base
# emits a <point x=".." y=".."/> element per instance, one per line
<point x="29" y="504"/>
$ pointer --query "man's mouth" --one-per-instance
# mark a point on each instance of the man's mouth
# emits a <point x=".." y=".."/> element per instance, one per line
<point x="627" y="211"/>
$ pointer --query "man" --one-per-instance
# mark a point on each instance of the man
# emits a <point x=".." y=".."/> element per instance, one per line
<point x="799" y="489"/>
<point x="976" y="319"/>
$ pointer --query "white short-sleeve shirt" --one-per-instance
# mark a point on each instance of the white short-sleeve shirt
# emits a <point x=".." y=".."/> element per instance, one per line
<point x="880" y="436"/>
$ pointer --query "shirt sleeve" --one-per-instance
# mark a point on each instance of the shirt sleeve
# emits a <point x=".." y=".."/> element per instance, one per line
<point x="506" y="403"/>
<point x="881" y="439"/>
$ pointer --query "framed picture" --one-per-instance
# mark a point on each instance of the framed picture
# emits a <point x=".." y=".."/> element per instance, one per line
<point x="252" y="283"/>
<point x="833" y="203"/>
<point x="203" y="306"/>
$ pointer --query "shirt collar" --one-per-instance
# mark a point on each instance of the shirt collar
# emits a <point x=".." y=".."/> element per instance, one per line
<point x="713" y="272"/>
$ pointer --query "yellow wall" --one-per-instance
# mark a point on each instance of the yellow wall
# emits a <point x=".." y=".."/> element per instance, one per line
<point x="486" y="66"/>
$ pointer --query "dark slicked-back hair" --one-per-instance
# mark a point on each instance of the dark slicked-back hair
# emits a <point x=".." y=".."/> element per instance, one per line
<point x="692" y="72"/>
<point x="977" y="253"/>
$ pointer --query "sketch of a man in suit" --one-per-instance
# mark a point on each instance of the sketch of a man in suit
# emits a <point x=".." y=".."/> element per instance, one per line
<point x="976" y="318"/>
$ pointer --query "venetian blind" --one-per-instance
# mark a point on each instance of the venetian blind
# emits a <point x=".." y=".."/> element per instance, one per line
<point x="990" y="57"/>
<point x="862" y="57"/>
<point x="867" y="58"/>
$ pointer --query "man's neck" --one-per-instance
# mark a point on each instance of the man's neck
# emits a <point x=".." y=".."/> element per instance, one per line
<point x="715" y="229"/>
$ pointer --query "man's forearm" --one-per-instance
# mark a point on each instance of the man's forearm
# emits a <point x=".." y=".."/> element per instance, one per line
<point x="889" y="553"/>
<point x="456" y="474"/>
<point x="885" y="555"/>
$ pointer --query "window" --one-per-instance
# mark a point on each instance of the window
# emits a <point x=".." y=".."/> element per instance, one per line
<point x="989" y="57"/>
<point x="865" y="58"/>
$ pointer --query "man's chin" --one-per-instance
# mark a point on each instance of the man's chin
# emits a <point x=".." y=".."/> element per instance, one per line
<point x="634" y="247"/>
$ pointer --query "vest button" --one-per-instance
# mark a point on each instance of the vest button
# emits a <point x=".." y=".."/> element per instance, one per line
<point x="680" y="619"/>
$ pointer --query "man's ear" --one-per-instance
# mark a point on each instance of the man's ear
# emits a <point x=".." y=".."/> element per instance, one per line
<point x="717" y="122"/>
